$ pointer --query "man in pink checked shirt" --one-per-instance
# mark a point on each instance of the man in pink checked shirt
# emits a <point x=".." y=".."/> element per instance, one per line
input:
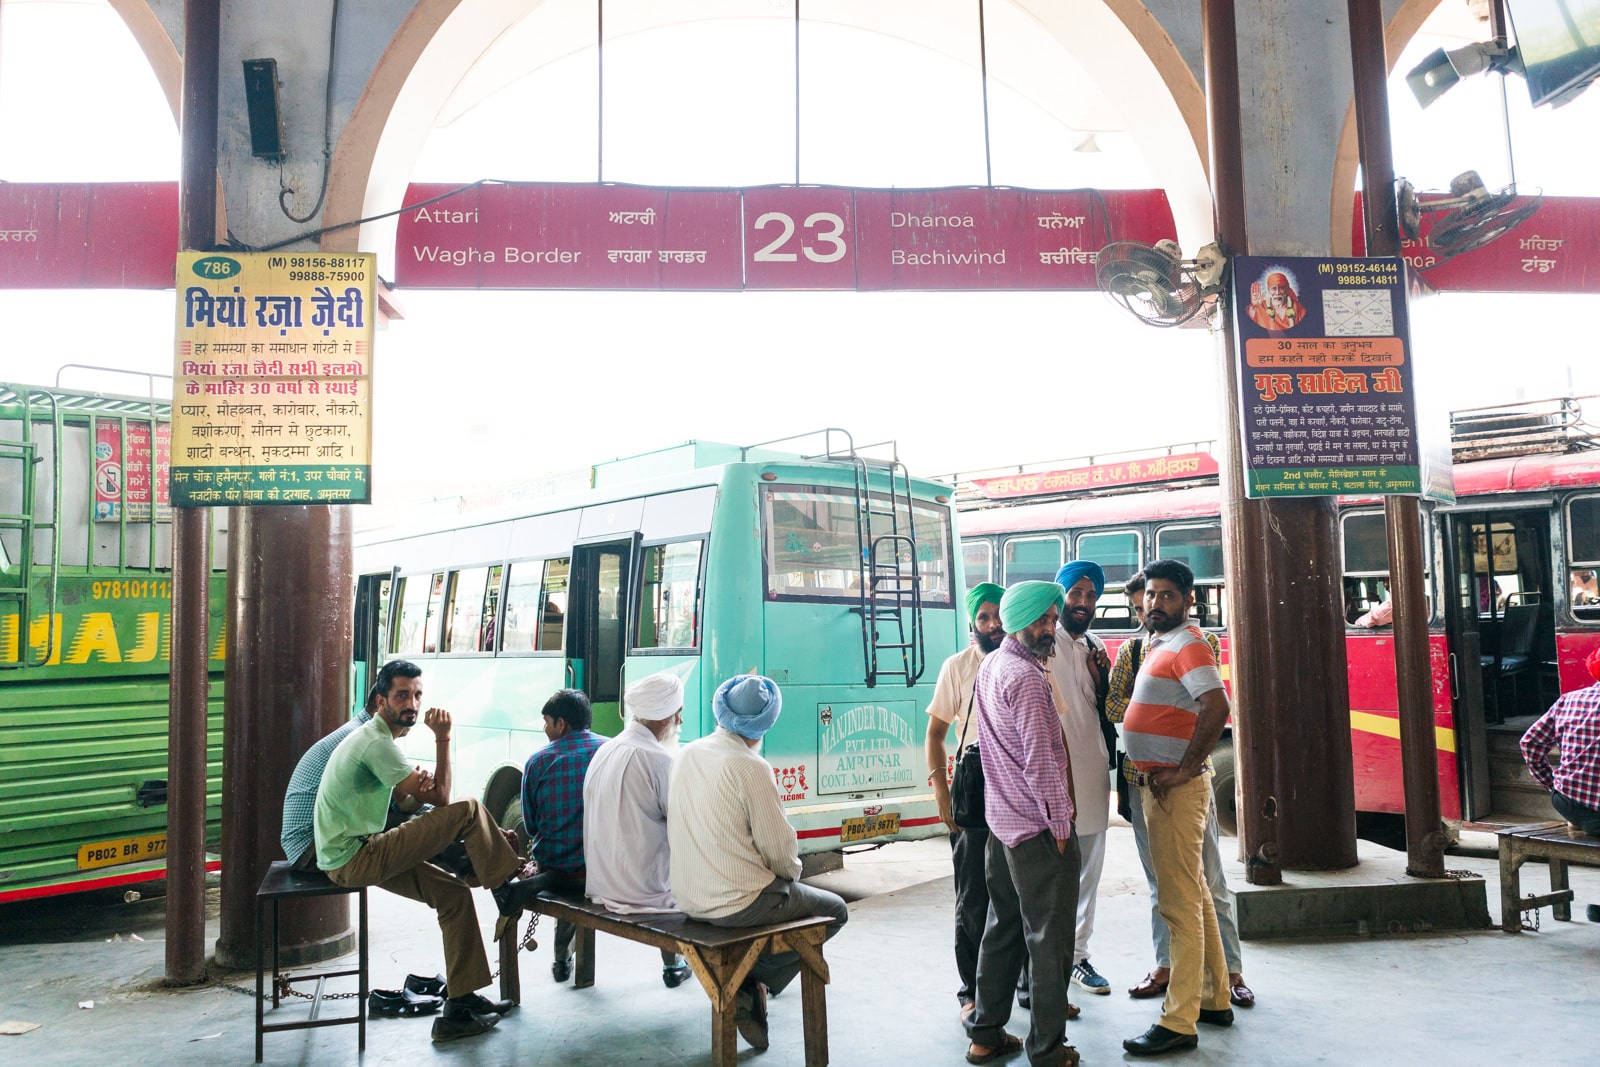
<point x="1031" y="863"/>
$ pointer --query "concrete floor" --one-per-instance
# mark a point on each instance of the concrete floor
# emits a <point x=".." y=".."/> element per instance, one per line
<point x="1482" y="996"/>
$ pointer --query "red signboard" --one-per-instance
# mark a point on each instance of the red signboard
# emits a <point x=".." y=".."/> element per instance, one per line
<point x="537" y="236"/>
<point x="103" y="236"/>
<point x="784" y="237"/>
<point x="131" y="468"/>
<point x="1184" y="465"/>
<point x="1555" y="251"/>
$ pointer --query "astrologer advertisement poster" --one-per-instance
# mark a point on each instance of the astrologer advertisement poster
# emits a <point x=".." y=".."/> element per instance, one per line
<point x="1327" y="381"/>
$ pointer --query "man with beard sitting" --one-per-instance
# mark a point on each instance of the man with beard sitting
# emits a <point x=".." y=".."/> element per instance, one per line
<point x="625" y="809"/>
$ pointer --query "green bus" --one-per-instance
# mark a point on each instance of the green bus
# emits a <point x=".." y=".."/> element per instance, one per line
<point x="85" y="633"/>
<point x="832" y="574"/>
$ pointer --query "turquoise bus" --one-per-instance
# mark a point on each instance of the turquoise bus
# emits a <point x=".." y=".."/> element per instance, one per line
<point x="85" y="634"/>
<point x="832" y="574"/>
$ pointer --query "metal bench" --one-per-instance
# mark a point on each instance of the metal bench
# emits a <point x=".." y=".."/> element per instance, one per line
<point x="1556" y="843"/>
<point x="282" y="883"/>
<point x="721" y="958"/>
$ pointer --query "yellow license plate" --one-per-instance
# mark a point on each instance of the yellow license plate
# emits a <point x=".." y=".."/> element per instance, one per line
<point x="859" y="829"/>
<point x="122" y="850"/>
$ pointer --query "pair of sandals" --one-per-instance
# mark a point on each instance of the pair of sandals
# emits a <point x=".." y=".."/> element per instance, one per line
<point x="1010" y="1045"/>
<point x="419" y="996"/>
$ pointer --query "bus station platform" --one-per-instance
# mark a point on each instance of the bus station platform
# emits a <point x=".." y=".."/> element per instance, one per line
<point x="1419" y="996"/>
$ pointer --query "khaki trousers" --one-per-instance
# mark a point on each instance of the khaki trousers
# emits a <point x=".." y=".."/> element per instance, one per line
<point x="397" y="860"/>
<point x="1176" y="828"/>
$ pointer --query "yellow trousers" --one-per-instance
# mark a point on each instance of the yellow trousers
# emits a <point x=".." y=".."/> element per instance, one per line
<point x="1177" y="827"/>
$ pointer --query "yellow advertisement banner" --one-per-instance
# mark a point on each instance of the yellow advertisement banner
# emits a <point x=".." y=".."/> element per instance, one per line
<point x="272" y="378"/>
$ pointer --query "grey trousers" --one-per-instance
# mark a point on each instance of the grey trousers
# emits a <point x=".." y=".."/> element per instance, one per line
<point x="780" y="902"/>
<point x="1033" y="910"/>
<point x="967" y="849"/>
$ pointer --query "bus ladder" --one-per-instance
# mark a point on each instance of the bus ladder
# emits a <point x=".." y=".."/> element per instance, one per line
<point x="25" y="454"/>
<point x="891" y="587"/>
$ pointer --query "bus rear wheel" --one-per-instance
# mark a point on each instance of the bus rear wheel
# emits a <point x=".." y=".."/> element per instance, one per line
<point x="511" y="819"/>
<point x="1222" y="783"/>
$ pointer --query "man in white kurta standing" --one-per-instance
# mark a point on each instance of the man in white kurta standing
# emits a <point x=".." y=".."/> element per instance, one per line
<point x="1078" y="668"/>
<point x="625" y="809"/>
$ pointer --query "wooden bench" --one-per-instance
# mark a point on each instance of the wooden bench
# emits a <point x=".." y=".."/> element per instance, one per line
<point x="721" y="958"/>
<point x="1557" y="844"/>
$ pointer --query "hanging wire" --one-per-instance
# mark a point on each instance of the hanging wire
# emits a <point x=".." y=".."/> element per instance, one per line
<point x="600" y="91"/>
<point x="797" y="91"/>
<point x="284" y="192"/>
<point x="983" y="73"/>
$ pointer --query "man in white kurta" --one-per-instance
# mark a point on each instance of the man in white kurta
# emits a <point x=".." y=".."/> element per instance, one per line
<point x="625" y="809"/>
<point x="1076" y="668"/>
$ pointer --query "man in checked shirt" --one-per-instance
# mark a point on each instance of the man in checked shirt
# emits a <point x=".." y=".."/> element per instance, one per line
<point x="1573" y="724"/>
<point x="1031" y="862"/>
<point x="552" y="807"/>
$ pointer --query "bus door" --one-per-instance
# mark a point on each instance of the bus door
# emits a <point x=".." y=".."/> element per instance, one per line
<point x="597" y="631"/>
<point x="1501" y="619"/>
<point x="371" y="631"/>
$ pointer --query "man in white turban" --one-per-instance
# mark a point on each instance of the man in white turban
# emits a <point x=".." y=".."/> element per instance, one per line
<point x="625" y="809"/>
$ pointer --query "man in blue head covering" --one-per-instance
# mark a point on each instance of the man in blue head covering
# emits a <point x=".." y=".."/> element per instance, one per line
<point x="951" y="704"/>
<point x="1078" y="671"/>
<point x="735" y="860"/>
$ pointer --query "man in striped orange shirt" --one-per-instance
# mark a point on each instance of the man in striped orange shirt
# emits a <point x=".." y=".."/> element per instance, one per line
<point x="1178" y="710"/>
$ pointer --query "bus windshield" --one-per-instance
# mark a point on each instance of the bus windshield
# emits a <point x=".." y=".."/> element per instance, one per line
<point x="813" y="551"/>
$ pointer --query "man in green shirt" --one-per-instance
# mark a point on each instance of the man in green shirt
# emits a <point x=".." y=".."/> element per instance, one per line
<point x="355" y="850"/>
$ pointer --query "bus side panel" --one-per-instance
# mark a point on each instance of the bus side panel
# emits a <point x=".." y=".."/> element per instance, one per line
<point x="494" y="705"/>
<point x="732" y="640"/>
<point x="1572" y="649"/>
<point x="1375" y="724"/>
<point x="73" y="755"/>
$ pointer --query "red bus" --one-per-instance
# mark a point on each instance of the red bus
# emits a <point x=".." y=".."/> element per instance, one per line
<point x="1511" y="582"/>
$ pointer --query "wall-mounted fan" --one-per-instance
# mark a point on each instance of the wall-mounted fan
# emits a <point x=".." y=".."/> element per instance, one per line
<point x="1475" y="215"/>
<point x="1156" y="284"/>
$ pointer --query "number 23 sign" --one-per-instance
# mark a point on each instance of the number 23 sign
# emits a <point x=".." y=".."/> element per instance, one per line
<point x="799" y="239"/>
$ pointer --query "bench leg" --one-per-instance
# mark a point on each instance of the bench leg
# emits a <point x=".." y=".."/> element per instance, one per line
<point x="1510" y="891"/>
<point x="1562" y="907"/>
<point x="724" y="1037"/>
<point x="814" y="1004"/>
<point x="261" y="966"/>
<point x="510" y="959"/>
<point x="584" y="969"/>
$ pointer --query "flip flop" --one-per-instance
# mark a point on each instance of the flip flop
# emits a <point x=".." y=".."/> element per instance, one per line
<point x="1009" y="1046"/>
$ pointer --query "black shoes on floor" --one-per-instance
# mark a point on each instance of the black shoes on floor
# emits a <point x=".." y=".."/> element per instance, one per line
<point x="1158" y="1040"/>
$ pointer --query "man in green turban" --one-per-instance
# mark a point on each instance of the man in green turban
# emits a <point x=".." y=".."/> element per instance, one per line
<point x="952" y="700"/>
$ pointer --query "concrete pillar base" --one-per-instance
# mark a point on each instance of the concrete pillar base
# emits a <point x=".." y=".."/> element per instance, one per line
<point x="1374" y="898"/>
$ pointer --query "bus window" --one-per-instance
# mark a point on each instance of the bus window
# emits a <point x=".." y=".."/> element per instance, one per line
<point x="814" y="549"/>
<point x="470" y="619"/>
<point x="536" y="606"/>
<point x="420" y="598"/>
<point x="977" y="560"/>
<point x="1117" y="552"/>
<point x="1583" y="551"/>
<point x="668" y="597"/>
<point x="1199" y="546"/>
<point x="1032" y="559"/>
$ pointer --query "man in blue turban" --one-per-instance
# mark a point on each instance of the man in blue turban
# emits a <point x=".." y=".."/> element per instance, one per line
<point x="1079" y="669"/>
<point x="952" y="704"/>
<point x="735" y="860"/>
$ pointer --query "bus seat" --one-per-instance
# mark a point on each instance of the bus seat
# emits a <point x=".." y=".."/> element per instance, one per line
<point x="1513" y="655"/>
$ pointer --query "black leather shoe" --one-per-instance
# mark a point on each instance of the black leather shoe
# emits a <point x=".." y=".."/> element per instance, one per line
<point x="478" y="1004"/>
<point x="1024" y="1000"/>
<point x="515" y="895"/>
<point x="561" y="969"/>
<point x="1217" y="1017"/>
<point x="1158" y="1040"/>
<point x="675" y="976"/>
<point x="449" y="1027"/>
<point x="426" y="987"/>
<point x="401" y="1002"/>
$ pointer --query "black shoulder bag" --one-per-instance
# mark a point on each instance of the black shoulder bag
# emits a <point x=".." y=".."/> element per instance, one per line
<point x="966" y="784"/>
